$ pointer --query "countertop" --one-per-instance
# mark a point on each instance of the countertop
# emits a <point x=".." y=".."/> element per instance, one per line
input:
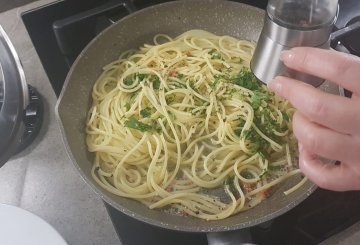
<point x="43" y="180"/>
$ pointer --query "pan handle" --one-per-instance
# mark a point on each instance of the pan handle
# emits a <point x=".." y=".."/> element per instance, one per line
<point x="340" y="34"/>
<point x="237" y="237"/>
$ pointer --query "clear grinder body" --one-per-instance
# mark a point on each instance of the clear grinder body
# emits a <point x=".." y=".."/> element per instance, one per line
<point x="289" y="24"/>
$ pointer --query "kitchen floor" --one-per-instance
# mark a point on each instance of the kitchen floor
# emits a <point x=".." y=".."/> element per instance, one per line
<point x="10" y="4"/>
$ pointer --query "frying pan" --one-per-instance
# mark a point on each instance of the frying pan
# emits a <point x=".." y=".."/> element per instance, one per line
<point x="173" y="18"/>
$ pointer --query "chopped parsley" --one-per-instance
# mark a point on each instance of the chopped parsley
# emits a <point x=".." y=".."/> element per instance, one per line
<point x="215" y="55"/>
<point x="133" y="94"/>
<point x="238" y="131"/>
<point x="136" y="124"/>
<point x="247" y="175"/>
<point x="145" y="112"/>
<point x="229" y="180"/>
<point x="270" y="125"/>
<point x="263" y="173"/>
<point x="263" y="154"/>
<point x="257" y="98"/>
<point x="156" y="82"/>
<point x="214" y="84"/>
<point x="127" y="106"/>
<point x="240" y="127"/>
<point x="128" y="81"/>
<point x="245" y="78"/>
<point x="180" y="76"/>
<point x="258" y="143"/>
<point x="285" y="116"/>
<point x="140" y="76"/>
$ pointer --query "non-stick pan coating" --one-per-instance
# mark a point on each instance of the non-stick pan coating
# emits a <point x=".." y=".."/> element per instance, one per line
<point x="220" y="17"/>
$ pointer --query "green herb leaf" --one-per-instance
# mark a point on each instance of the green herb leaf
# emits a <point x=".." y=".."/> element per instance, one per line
<point x="247" y="175"/>
<point x="257" y="98"/>
<point x="141" y="76"/>
<point x="159" y="129"/>
<point x="238" y="131"/>
<point x="127" y="106"/>
<point x="133" y="94"/>
<point x="229" y="180"/>
<point x="128" y="81"/>
<point x="215" y="55"/>
<point x="285" y="116"/>
<point x="211" y="52"/>
<point x="263" y="154"/>
<point x="180" y="76"/>
<point x="245" y="78"/>
<point x="214" y="84"/>
<point x="263" y="173"/>
<point x="145" y="112"/>
<point x="136" y="124"/>
<point x="269" y="125"/>
<point x="156" y="83"/>
<point x="258" y="142"/>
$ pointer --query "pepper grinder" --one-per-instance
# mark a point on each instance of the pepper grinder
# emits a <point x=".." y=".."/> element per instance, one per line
<point x="289" y="24"/>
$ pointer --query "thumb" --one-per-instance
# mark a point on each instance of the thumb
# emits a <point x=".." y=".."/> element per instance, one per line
<point x="326" y="175"/>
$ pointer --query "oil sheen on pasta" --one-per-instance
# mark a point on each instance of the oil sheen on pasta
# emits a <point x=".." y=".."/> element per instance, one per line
<point x="173" y="121"/>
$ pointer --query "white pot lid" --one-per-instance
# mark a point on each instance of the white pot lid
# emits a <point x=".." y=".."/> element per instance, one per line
<point x="19" y="226"/>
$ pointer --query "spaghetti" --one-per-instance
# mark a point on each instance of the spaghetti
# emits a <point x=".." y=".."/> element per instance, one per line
<point x="176" y="123"/>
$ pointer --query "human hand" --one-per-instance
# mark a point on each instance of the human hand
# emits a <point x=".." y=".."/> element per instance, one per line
<point x="325" y="125"/>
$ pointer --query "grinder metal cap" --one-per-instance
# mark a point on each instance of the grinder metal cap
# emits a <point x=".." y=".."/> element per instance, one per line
<point x="14" y="98"/>
<point x="289" y="24"/>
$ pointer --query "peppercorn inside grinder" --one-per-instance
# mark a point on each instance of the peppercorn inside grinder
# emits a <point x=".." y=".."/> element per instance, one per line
<point x="289" y="24"/>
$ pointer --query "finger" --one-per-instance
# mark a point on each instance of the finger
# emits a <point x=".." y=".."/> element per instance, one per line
<point x="326" y="175"/>
<point x="340" y="68"/>
<point x="324" y="141"/>
<point x="330" y="110"/>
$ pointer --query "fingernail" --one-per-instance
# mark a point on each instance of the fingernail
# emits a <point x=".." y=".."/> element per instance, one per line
<point x="275" y="85"/>
<point x="287" y="55"/>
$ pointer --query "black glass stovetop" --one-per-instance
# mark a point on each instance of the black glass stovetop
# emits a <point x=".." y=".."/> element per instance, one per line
<point x="61" y="29"/>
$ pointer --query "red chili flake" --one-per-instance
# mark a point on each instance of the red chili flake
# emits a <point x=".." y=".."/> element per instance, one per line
<point x="265" y="193"/>
<point x="169" y="189"/>
<point x="172" y="73"/>
<point x="184" y="213"/>
<point x="248" y="187"/>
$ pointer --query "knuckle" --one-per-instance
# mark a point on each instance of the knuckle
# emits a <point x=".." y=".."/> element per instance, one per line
<point x="344" y="67"/>
<point x="310" y="140"/>
<point x="317" y="108"/>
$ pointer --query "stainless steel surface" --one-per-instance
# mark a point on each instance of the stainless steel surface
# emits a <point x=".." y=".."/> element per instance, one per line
<point x="293" y="37"/>
<point x="304" y="14"/>
<point x="277" y="36"/>
<point x="220" y="17"/>
<point x="14" y="100"/>
<point x="274" y="39"/>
